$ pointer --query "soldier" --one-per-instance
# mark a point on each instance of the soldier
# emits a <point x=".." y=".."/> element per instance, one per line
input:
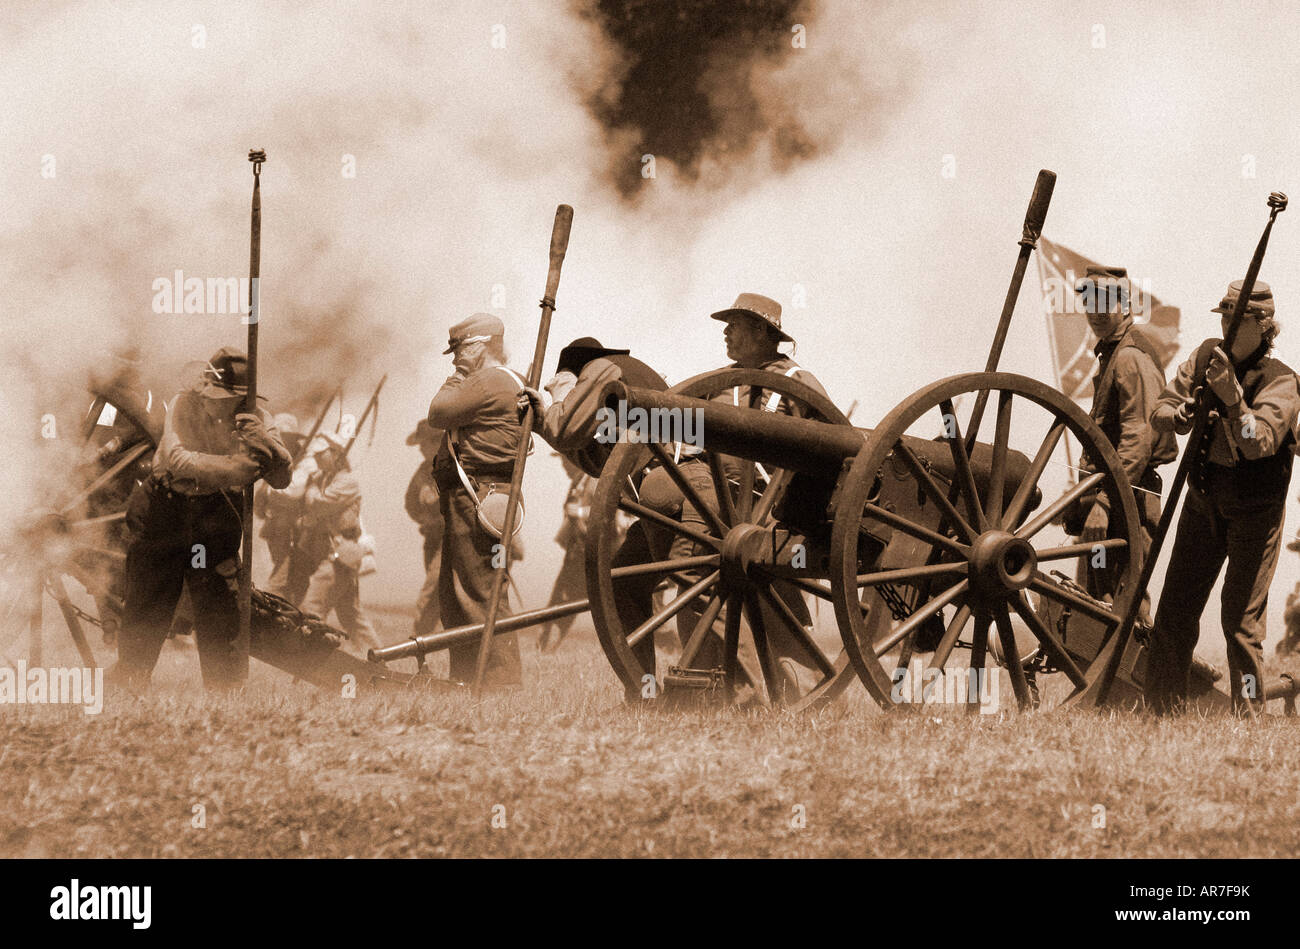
<point x="478" y="407"/>
<point x="753" y="336"/>
<point x="280" y="511"/>
<point x="570" y="425"/>
<point x="185" y="527"/>
<point x="1125" y="389"/>
<point x="422" y="506"/>
<point x="1234" y="507"/>
<point x="331" y="538"/>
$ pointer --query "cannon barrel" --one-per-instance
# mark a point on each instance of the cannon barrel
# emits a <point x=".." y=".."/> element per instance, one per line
<point x="799" y="444"/>
<point x="418" y="646"/>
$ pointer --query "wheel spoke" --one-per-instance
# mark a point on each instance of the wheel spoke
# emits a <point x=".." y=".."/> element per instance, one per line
<point x="745" y="504"/>
<point x="1020" y="502"/>
<point x="692" y="496"/>
<point x="1050" y="513"/>
<point x="772" y="495"/>
<point x="1019" y="684"/>
<point x="914" y="530"/>
<point x="731" y="647"/>
<point x="663" y="520"/>
<point x="766" y="662"/>
<point x="722" y="487"/>
<point x="96" y="521"/>
<point x="965" y="479"/>
<point x="936" y="493"/>
<point x="950" y="637"/>
<point x="904" y="574"/>
<point x="665" y="566"/>
<point x="979" y="648"/>
<point x="998" y="466"/>
<point x="919" y="616"/>
<point x="782" y="609"/>
<point x="1070" y="551"/>
<point x="703" y="629"/>
<point x="106" y="477"/>
<point x="1054" y="647"/>
<point x="672" y="609"/>
<point x="1053" y="591"/>
<point x="819" y="590"/>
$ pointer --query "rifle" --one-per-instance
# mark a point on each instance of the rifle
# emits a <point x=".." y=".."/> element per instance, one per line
<point x="320" y="420"/>
<point x="1097" y="690"/>
<point x="373" y="404"/>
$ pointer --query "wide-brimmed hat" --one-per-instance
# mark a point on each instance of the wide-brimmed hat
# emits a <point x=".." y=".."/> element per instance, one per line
<point x="582" y="351"/>
<point x="1097" y="275"/>
<point x="478" y="326"/>
<point x="326" y="440"/>
<point x="1260" y="304"/>
<point x="758" y="307"/>
<point x="226" y="375"/>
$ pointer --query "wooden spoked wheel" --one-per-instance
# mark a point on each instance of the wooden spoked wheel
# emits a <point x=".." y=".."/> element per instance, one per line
<point x="976" y="552"/>
<point x="79" y="532"/>
<point x="724" y="557"/>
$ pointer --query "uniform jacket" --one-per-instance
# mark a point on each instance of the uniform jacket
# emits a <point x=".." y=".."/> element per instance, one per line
<point x="1125" y="389"/>
<point x="570" y="425"/>
<point x="1270" y="396"/>
<point x="422" y="498"/>
<point x="481" y="412"/>
<point x="198" y="449"/>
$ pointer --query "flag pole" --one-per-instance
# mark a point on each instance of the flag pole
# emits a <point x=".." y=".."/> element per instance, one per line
<point x="256" y="156"/>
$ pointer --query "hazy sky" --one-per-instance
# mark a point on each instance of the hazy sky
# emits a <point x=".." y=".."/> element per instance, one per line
<point x="921" y="128"/>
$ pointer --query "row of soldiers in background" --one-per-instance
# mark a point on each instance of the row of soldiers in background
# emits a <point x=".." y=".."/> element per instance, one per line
<point x="313" y="533"/>
<point x="1235" y="503"/>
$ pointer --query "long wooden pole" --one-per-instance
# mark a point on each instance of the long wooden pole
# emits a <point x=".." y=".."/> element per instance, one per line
<point x="559" y="245"/>
<point x="256" y="156"/>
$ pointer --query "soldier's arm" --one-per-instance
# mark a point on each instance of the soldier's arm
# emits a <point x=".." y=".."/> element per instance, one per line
<point x="337" y="495"/>
<point x="210" y="472"/>
<point x="278" y="470"/>
<point x="1176" y="394"/>
<point x="1258" y="428"/>
<point x="457" y="402"/>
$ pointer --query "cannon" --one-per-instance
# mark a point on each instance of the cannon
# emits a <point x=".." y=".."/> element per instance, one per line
<point x="926" y="533"/>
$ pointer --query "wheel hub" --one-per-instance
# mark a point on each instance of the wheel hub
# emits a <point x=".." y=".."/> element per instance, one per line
<point x="1001" y="563"/>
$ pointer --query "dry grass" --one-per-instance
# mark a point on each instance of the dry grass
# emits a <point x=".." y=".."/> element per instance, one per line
<point x="289" y="771"/>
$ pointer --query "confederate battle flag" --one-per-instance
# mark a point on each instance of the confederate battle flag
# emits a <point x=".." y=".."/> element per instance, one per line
<point x="1059" y="270"/>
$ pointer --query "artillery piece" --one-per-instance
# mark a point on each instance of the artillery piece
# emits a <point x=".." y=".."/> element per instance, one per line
<point x="922" y="536"/>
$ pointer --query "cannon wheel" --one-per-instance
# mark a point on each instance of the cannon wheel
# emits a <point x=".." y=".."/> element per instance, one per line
<point x="718" y="583"/>
<point x="80" y="534"/>
<point x="986" y="556"/>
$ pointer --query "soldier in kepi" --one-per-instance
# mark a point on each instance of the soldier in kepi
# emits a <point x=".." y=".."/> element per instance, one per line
<point x="185" y="524"/>
<point x="1125" y="389"/>
<point x="478" y="408"/>
<point x="1235" y="504"/>
<point x="422" y="507"/>
<point x="331" y="537"/>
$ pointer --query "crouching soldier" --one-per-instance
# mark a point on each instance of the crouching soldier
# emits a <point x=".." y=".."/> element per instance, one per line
<point x="331" y="538"/>
<point x="1234" y="507"/>
<point x="184" y="523"/>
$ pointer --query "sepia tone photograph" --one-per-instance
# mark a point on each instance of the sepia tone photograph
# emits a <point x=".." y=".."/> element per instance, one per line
<point x="650" y="429"/>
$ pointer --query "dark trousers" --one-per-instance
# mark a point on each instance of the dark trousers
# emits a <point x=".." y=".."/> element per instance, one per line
<point x="464" y="586"/>
<point x="1227" y="521"/>
<point x="179" y="540"/>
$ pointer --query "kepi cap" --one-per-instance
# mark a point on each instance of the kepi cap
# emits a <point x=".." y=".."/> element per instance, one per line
<point x="759" y="307"/>
<point x="483" y="325"/>
<point x="226" y="374"/>
<point x="1260" y="304"/>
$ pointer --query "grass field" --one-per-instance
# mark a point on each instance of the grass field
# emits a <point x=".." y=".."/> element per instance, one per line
<point x="562" y="768"/>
